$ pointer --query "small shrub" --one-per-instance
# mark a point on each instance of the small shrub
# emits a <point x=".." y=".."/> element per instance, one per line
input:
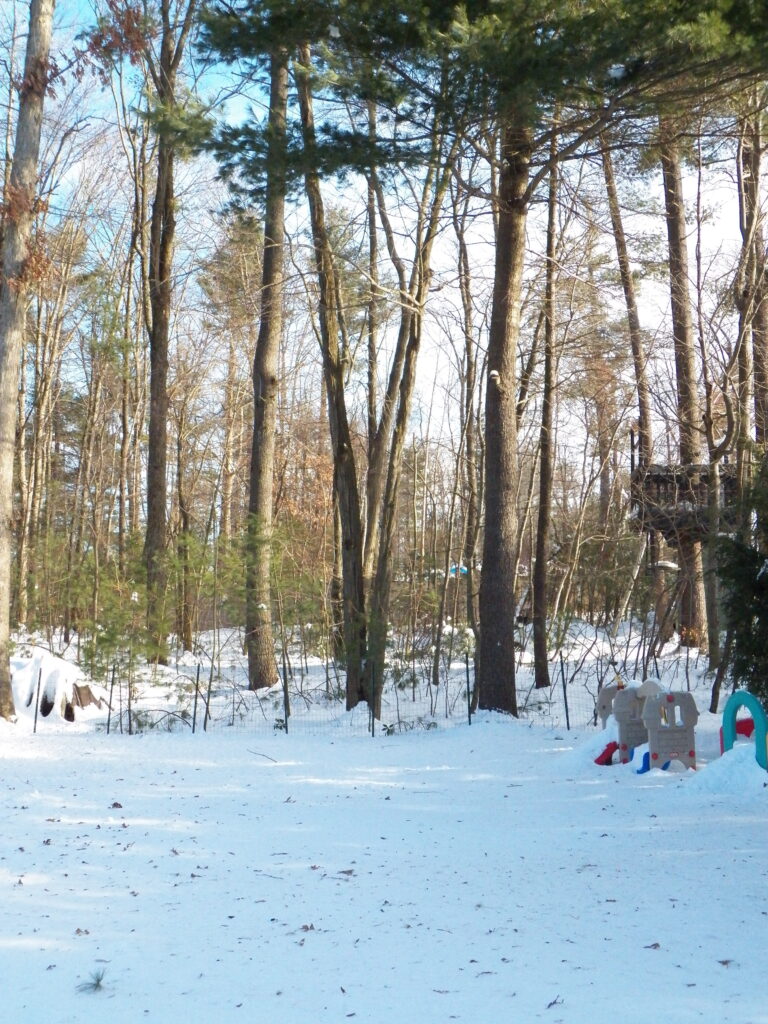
<point x="95" y="982"/>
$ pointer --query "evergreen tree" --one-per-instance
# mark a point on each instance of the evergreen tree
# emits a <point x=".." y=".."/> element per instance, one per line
<point x="743" y="572"/>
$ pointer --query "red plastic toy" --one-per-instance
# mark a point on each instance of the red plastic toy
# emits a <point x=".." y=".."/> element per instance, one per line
<point x="606" y="756"/>
<point x="744" y="727"/>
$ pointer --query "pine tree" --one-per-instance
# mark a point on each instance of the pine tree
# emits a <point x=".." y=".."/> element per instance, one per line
<point x="743" y="572"/>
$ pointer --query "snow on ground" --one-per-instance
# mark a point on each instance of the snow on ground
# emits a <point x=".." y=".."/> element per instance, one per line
<point x="480" y="873"/>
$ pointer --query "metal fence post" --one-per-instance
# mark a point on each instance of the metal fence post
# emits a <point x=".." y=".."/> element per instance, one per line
<point x="37" y="697"/>
<point x="194" y="706"/>
<point x="469" y="695"/>
<point x="565" y="693"/>
<point x="111" y="692"/>
<point x="286" y="697"/>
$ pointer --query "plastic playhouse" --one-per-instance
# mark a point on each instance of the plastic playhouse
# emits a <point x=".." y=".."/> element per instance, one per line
<point x="666" y="722"/>
<point x="644" y="714"/>
<point x="628" y="710"/>
<point x="626" y="704"/>
<point x="670" y="719"/>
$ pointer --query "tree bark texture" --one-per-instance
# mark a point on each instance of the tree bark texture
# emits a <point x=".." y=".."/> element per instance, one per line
<point x="546" y="441"/>
<point x="472" y="483"/>
<point x="262" y="670"/>
<point x="639" y="363"/>
<point x="344" y="468"/>
<point x="497" y="587"/>
<point x="18" y="268"/>
<point x="693" y="605"/>
<point x="432" y="197"/>
<point x="161" y="254"/>
<point x="161" y="241"/>
<point x="639" y="358"/>
<point x="750" y="291"/>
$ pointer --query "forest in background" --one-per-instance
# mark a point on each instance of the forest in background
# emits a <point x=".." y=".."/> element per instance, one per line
<point x="323" y="316"/>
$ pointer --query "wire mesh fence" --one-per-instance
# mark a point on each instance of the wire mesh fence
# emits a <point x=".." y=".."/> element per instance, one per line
<point x="207" y="690"/>
<point x="306" y="702"/>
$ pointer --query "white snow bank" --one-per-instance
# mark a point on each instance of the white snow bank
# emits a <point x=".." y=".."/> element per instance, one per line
<point x="58" y="682"/>
<point x="736" y="772"/>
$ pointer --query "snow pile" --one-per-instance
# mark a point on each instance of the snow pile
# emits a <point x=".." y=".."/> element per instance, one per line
<point x="735" y="773"/>
<point x="59" y="688"/>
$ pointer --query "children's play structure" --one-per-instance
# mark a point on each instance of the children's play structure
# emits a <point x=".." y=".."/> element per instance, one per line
<point x="666" y="722"/>
<point x="628" y="710"/>
<point x="671" y="719"/>
<point x="644" y="714"/>
<point x="757" y="724"/>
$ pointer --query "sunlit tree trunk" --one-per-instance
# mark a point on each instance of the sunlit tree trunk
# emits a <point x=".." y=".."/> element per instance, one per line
<point x="470" y="465"/>
<point x="546" y="444"/>
<point x="262" y="670"/>
<point x="344" y="468"/>
<point x="692" y="601"/>
<point x="164" y="70"/>
<point x="433" y="193"/>
<point x="17" y="272"/>
<point x="185" y="600"/>
<point x="497" y="587"/>
<point x="639" y="362"/>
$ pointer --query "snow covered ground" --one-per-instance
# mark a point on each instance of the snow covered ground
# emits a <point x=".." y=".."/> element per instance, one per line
<point x="480" y="873"/>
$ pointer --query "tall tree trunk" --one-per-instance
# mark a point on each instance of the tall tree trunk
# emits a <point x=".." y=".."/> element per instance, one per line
<point x="541" y="563"/>
<point x="344" y="468"/>
<point x="161" y="242"/>
<point x="639" y="363"/>
<point x="336" y="587"/>
<point x="497" y="587"/>
<point x="372" y="339"/>
<point x="22" y="547"/>
<point x="185" y="600"/>
<point x="132" y="329"/>
<point x="380" y="432"/>
<point x="692" y="605"/>
<point x="229" y="446"/>
<point x="160" y="286"/>
<point x="262" y="670"/>
<point x="433" y="194"/>
<point x="17" y="266"/>
<point x="760" y="341"/>
<point x="750" y="292"/>
<point x="470" y="462"/>
<point x="639" y="358"/>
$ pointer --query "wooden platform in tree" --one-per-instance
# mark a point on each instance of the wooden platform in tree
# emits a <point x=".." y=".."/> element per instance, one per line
<point x="674" y="500"/>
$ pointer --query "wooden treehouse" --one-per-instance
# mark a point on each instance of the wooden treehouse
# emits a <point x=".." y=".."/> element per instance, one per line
<point x="674" y="500"/>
